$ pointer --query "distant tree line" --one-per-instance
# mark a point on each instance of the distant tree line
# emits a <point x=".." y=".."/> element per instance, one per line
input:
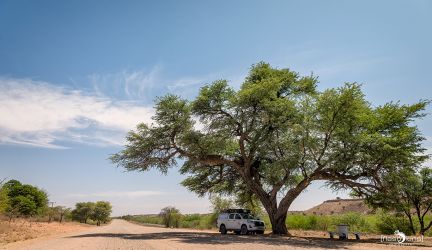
<point x="18" y="200"/>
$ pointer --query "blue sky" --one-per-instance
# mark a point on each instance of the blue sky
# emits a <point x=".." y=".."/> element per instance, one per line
<point x="76" y="76"/>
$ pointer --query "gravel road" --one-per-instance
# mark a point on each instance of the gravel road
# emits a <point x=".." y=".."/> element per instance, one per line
<point x="120" y="234"/>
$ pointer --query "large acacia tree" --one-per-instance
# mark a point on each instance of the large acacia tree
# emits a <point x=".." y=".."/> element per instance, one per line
<point x="273" y="137"/>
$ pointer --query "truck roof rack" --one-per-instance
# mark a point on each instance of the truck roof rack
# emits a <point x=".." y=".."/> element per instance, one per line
<point x="240" y="211"/>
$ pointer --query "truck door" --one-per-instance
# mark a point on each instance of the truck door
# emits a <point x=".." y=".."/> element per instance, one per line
<point x="237" y="221"/>
<point x="230" y="222"/>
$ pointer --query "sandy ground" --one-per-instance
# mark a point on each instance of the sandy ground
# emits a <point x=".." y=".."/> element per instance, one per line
<point x="124" y="235"/>
<point x="20" y="230"/>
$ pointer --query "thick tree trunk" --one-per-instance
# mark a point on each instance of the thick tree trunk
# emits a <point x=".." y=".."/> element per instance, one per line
<point x="277" y="215"/>
<point x="279" y="225"/>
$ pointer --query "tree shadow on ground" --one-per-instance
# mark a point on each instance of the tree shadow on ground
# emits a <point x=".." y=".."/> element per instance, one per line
<point x="217" y="239"/>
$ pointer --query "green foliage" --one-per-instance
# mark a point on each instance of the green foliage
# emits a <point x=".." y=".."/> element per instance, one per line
<point x="98" y="212"/>
<point x="24" y="200"/>
<point x="144" y="219"/>
<point x="304" y="222"/>
<point x="388" y="223"/>
<point x="380" y="223"/>
<point x="60" y="213"/>
<point x="219" y="204"/>
<point x="248" y="200"/>
<point x="101" y="212"/>
<point x="83" y="211"/>
<point x="170" y="216"/>
<point x="408" y="193"/>
<point x="356" y="221"/>
<point x="4" y="199"/>
<point x="277" y="134"/>
<point x="197" y="221"/>
<point x="23" y="205"/>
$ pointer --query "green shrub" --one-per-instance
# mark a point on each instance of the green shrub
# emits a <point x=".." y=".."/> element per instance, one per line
<point x="388" y="223"/>
<point x="356" y="222"/>
<point x="171" y="216"/>
<point x="324" y="223"/>
<point x="380" y="223"/>
<point x="190" y="221"/>
<point x="303" y="222"/>
<point x="145" y="219"/>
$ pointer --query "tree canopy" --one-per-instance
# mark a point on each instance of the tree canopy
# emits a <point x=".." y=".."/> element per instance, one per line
<point x="99" y="212"/>
<point x="83" y="211"/>
<point x="274" y="136"/>
<point x="170" y="216"/>
<point x="24" y="199"/>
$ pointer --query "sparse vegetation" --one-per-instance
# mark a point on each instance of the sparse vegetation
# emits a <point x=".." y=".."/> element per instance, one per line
<point x="379" y="223"/>
<point x="60" y="213"/>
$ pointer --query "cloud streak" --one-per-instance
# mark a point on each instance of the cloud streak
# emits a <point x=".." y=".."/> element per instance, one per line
<point x="132" y="84"/>
<point x="145" y="84"/>
<point x="36" y="113"/>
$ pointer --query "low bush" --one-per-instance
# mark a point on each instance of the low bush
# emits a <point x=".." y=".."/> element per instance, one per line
<point x="357" y="222"/>
<point x="388" y="223"/>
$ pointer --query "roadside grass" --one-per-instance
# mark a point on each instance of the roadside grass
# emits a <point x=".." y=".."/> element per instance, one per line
<point x="379" y="223"/>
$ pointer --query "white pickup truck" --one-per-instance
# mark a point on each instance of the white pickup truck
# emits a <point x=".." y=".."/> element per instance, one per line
<point x="239" y="221"/>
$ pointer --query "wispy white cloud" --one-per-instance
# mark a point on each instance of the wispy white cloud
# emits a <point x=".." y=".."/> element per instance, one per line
<point x="40" y="114"/>
<point x="119" y="194"/>
<point x="134" y="84"/>
<point x="145" y="85"/>
<point x="185" y="83"/>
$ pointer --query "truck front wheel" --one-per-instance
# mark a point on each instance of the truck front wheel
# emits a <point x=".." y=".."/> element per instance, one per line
<point x="222" y="229"/>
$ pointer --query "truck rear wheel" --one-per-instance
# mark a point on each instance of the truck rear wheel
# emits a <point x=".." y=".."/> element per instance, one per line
<point x="244" y="229"/>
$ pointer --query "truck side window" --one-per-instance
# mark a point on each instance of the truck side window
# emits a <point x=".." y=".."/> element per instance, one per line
<point x="231" y="216"/>
<point x="237" y="216"/>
